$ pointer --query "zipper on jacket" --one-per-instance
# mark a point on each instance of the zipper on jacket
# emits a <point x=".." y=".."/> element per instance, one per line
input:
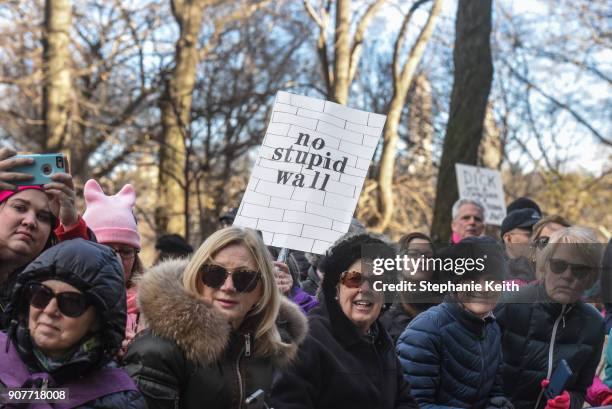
<point x="240" y="391"/>
<point x="551" y="348"/>
<point x="247" y="345"/>
<point x="482" y="361"/>
<point x="45" y="384"/>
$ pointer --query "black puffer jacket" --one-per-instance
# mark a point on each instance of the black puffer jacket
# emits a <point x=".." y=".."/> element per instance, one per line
<point x="534" y="329"/>
<point x="95" y="270"/>
<point x="189" y="357"/>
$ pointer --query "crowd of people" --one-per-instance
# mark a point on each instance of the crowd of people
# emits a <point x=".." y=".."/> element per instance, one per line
<point x="234" y="324"/>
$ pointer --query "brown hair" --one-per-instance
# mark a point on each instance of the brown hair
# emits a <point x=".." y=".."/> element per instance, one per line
<point x="405" y="240"/>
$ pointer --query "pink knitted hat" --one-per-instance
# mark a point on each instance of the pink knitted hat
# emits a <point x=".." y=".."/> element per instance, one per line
<point x="111" y="217"/>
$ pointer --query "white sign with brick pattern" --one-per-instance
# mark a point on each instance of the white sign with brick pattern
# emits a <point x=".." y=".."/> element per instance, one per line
<point x="309" y="173"/>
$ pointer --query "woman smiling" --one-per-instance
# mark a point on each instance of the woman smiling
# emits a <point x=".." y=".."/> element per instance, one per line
<point x="348" y="359"/>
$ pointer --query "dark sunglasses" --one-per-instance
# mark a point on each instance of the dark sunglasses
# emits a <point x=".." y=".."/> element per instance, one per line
<point x="354" y="279"/>
<point x="541" y="242"/>
<point x="579" y="271"/>
<point x="69" y="303"/>
<point x="214" y="276"/>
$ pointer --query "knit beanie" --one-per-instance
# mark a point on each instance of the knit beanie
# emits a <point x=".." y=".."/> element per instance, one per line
<point x="111" y="217"/>
<point x="5" y="194"/>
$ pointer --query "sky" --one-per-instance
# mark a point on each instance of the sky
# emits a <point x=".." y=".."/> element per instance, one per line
<point x="574" y="140"/>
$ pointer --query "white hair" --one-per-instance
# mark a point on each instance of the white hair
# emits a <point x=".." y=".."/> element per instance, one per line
<point x="462" y="202"/>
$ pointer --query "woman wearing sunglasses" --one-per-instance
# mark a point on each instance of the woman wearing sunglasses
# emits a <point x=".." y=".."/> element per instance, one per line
<point x="541" y="233"/>
<point x="546" y="322"/>
<point x="217" y="326"/>
<point x="348" y="359"/>
<point x="67" y="321"/>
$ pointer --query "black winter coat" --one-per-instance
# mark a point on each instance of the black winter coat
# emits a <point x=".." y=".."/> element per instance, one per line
<point x="532" y="332"/>
<point x="337" y="368"/>
<point x="95" y="270"/>
<point x="452" y="358"/>
<point x="312" y="283"/>
<point x="395" y="320"/>
<point x="189" y="357"/>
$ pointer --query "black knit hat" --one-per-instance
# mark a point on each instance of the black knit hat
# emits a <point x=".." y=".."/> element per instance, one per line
<point x="173" y="243"/>
<point x="523" y="203"/>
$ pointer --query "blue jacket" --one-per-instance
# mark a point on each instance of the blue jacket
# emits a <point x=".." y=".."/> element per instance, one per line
<point x="452" y="358"/>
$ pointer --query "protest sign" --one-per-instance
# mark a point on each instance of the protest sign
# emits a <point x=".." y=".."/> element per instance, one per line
<point x="309" y="172"/>
<point x="484" y="185"/>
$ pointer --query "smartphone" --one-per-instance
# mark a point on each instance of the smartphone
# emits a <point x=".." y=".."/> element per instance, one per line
<point x="256" y="400"/>
<point x="558" y="380"/>
<point x="41" y="169"/>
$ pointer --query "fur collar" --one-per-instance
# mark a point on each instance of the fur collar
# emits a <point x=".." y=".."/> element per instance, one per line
<point x="197" y="328"/>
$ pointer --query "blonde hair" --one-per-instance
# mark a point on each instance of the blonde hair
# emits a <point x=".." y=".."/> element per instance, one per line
<point x="543" y="222"/>
<point x="268" y="306"/>
<point x="582" y="239"/>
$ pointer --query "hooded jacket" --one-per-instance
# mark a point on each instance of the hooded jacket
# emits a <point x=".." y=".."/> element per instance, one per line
<point x="189" y="357"/>
<point x="95" y="271"/>
<point x="536" y="334"/>
<point x="80" y="230"/>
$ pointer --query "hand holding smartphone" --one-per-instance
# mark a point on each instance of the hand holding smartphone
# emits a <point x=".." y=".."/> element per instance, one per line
<point x="558" y="380"/>
<point x="41" y="168"/>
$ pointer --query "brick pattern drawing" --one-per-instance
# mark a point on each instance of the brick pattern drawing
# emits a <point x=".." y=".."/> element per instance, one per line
<point x="308" y="176"/>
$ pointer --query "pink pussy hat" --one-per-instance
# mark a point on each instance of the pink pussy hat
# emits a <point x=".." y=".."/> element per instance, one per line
<point x="111" y="217"/>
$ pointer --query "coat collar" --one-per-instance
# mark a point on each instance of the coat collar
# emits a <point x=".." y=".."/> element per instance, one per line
<point x="345" y="331"/>
<point x="173" y="313"/>
<point x="471" y="322"/>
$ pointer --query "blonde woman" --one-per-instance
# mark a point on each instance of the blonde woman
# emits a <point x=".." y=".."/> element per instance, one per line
<point x="218" y="326"/>
<point x="546" y="322"/>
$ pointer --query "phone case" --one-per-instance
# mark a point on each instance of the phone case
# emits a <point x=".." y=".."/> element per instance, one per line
<point x="558" y="380"/>
<point x="44" y="166"/>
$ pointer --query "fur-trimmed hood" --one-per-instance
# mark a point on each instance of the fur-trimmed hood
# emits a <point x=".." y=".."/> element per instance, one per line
<point x="173" y="313"/>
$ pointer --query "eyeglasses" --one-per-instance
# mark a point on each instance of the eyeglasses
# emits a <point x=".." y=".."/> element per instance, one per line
<point x="541" y="242"/>
<point x="126" y="253"/>
<point x="579" y="271"/>
<point x="354" y="279"/>
<point x="214" y="276"/>
<point x="69" y="303"/>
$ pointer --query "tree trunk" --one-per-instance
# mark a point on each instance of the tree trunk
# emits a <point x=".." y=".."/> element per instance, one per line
<point x="401" y="84"/>
<point x="420" y="126"/>
<point x="342" y="48"/>
<point x="471" y="86"/>
<point x="57" y="76"/>
<point x="490" y="152"/>
<point x="175" y="107"/>
<point x="346" y="50"/>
